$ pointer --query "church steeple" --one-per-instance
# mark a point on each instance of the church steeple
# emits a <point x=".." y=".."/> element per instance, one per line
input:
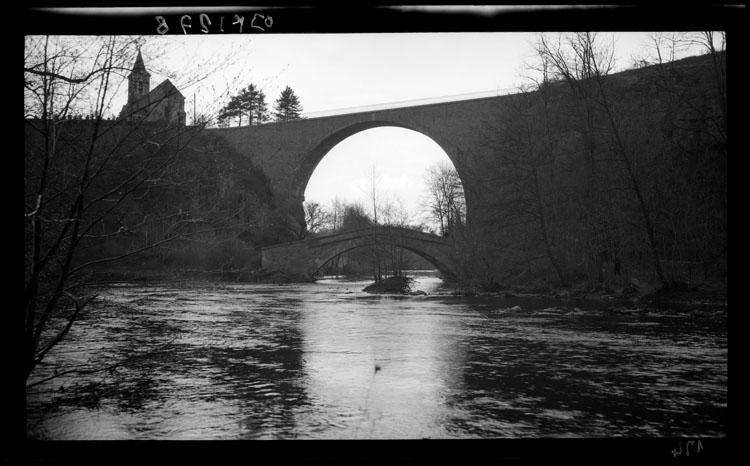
<point x="139" y="66"/>
<point x="139" y="81"/>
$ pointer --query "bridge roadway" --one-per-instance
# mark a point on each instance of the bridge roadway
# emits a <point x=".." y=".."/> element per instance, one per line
<point x="308" y="256"/>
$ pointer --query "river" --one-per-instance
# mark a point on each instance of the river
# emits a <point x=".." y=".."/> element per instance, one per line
<point x="325" y="360"/>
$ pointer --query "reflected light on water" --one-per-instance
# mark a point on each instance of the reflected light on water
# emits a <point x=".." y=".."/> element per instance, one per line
<point x="418" y="358"/>
<point x="328" y="361"/>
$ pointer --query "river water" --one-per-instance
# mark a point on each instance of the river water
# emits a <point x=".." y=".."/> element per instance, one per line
<point x="327" y="361"/>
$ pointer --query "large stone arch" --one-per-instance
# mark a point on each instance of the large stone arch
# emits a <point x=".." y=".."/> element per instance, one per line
<point x="310" y="161"/>
<point x="289" y="152"/>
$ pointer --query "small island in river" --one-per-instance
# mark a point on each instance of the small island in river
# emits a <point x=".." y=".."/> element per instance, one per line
<point x="400" y="285"/>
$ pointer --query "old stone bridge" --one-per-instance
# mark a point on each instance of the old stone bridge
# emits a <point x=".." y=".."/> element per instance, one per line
<point x="289" y="152"/>
<point x="308" y="256"/>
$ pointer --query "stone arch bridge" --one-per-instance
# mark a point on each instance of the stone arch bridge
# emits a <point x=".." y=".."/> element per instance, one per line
<point x="289" y="152"/>
<point x="308" y="256"/>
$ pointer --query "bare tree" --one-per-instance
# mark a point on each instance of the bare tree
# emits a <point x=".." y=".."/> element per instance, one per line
<point x="444" y="200"/>
<point x="373" y="193"/>
<point x="666" y="47"/>
<point x="528" y="153"/>
<point x="336" y="214"/>
<point x="81" y="176"/>
<point x="581" y="158"/>
<point x="584" y="66"/>
<point x="315" y="218"/>
<point x="691" y="203"/>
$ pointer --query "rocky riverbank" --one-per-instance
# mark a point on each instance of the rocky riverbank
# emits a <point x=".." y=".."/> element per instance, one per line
<point x="676" y="293"/>
<point x="132" y="274"/>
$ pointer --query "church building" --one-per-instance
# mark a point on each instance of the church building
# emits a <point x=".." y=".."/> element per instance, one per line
<point x="163" y="104"/>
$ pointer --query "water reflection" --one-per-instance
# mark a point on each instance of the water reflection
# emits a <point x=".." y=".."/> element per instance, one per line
<point x="326" y="360"/>
<point x="380" y="367"/>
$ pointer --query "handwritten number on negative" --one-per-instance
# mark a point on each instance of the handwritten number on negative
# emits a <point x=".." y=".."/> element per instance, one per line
<point x="268" y="21"/>
<point x="698" y="447"/>
<point x="258" y="22"/>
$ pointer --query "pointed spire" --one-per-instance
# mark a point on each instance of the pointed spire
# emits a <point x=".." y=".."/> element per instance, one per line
<point x="139" y="66"/>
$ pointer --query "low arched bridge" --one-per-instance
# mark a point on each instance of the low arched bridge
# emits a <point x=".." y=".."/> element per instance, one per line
<point x="307" y="257"/>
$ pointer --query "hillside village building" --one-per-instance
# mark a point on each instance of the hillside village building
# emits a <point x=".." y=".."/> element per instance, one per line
<point x="162" y="104"/>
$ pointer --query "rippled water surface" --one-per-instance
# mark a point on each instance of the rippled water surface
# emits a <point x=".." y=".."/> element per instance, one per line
<point x="326" y="360"/>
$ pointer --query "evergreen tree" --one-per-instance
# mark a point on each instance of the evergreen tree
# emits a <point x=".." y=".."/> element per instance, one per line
<point x="228" y="112"/>
<point x="251" y="102"/>
<point x="287" y="106"/>
<point x="259" y="108"/>
<point x="233" y="109"/>
<point x="245" y="100"/>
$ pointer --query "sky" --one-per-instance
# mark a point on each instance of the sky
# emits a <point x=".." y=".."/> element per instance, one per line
<point x="339" y="71"/>
<point x="351" y="71"/>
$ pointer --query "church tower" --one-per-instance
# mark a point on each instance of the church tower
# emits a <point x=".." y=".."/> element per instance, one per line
<point x="163" y="104"/>
<point x="139" y="81"/>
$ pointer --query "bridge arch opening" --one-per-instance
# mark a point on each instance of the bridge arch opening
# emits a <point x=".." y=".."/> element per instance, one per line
<point x="382" y="166"/>
<point x="445" y="271"/>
